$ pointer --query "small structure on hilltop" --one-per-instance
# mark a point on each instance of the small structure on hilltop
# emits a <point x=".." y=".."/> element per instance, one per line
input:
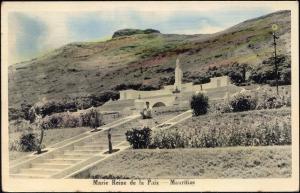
<point x="219" y="88"/>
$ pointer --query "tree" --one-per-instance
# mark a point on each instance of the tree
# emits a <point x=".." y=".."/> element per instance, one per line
<point x="199" y="104"/>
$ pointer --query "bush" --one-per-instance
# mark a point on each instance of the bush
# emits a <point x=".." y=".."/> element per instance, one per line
<point x="273" y="101"/>
<point x="222" y="107"/>
<point x="19" y="125"/>
<point x="87" y="118"/>
<point x="224" y="135"/>
<point x="243" y="102"/>
<point x="28" y="142"/>
<point x="170" y="140"/>
<point x="64" y="105"/>
<point x="265" y="73"/>
<point x="139" y="138"/>
<point x="199" y="104"/>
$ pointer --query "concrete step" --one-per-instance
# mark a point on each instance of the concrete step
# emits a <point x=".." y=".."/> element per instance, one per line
<point x="62" y="161"/>
<point x="92" y="142"/>
<point x="84" y="152"/>
<point x="74" y="156"/>
<point x="50" y="166"/>
<point x="105" y="141"/>
<point x="39" y="171"/>
<point x="91" y="147"/>
<point x="29" y="175"/>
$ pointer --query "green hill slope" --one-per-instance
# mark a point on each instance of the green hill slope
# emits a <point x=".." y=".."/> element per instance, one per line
<point x="78" y="69"/>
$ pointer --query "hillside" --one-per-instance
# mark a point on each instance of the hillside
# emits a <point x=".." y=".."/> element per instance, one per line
<point x="78" y="69"/>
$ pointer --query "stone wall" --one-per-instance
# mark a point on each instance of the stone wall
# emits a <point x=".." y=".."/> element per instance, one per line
<point x="216" y="82"/>
<point x="134" y="94"/>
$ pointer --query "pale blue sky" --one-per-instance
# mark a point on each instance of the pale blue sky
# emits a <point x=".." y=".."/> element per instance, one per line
<point x="36" y="33"/>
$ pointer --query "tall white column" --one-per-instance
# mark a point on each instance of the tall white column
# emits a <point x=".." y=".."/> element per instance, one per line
<point x="178" y="76"/>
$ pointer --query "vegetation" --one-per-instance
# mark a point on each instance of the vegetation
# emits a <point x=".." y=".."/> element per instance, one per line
<point x="252" y="128"/>
<point x="129" y="32"/>
<point x="50" y="107"/>
<point x="199" y="104"/>
<point x="243" y="102"/>
<point x="139" y="138"/>
<point x="88" y="118"/>
<point x="265" y="73"/>
<point x="28" y="142"/>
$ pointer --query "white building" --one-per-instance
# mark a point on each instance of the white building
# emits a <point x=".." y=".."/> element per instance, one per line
<point x="179" y="93"/>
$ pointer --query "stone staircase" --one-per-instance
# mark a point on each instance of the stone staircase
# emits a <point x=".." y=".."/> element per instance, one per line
<point x="70" y="157"/>
<point x="175" y="120"/>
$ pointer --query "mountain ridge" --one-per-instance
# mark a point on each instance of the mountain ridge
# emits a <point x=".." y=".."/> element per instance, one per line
<point x="91" y="67"/>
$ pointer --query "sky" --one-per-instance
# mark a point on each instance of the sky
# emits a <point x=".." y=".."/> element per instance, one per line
<point x="33" y="33"/>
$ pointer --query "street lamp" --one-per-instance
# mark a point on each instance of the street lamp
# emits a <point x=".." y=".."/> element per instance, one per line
<point x="274" y="29"/>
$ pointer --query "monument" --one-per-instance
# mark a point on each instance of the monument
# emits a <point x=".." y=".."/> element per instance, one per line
<point x="178" y="77"/>
<point x="171" y="95"/>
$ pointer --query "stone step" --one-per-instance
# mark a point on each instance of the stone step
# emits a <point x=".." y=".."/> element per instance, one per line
<point x="118" y="138"/>
<point x="74" y="156"/>
<point x="94" y="143"/>
<point x="62" y="161"/>
<point x="91" y="147"/>
<point x="50" y="166"/>
<point x="84" y="152"/>
<point x="39" y="171"/>
<point x="29" y="175"/>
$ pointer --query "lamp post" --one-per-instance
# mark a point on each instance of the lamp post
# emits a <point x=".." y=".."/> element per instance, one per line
<point x="274" y="28"/>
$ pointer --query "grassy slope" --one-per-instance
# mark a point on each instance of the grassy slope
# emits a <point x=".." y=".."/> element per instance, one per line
<point x="81" y="68"/>
<point x="233" y="162"/>
<point x="239" y="120"/>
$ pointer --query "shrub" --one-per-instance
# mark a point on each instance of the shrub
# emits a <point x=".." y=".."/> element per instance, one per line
<point x="236" y="77"/>
<point x="67" y="104"/>
<point x="266" y="131"/>
<point x="95" y="120"/>
<point x="273" y="101"/>
<point x="87" y="118"/>
<point x="28" y="142"/>
<point x="199" y="104"/>
<point x="220" y="107"/>
<point x="242" y="102"/>
<point x="265" y="73"/>
<point x="139" y="138"/>
<point x="19" y="125"/>
<point x="170" y="140"/>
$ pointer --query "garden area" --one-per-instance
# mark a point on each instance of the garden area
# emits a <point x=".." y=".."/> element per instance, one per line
<point x="248" y="136"/>
<point x="252" y="144"/>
